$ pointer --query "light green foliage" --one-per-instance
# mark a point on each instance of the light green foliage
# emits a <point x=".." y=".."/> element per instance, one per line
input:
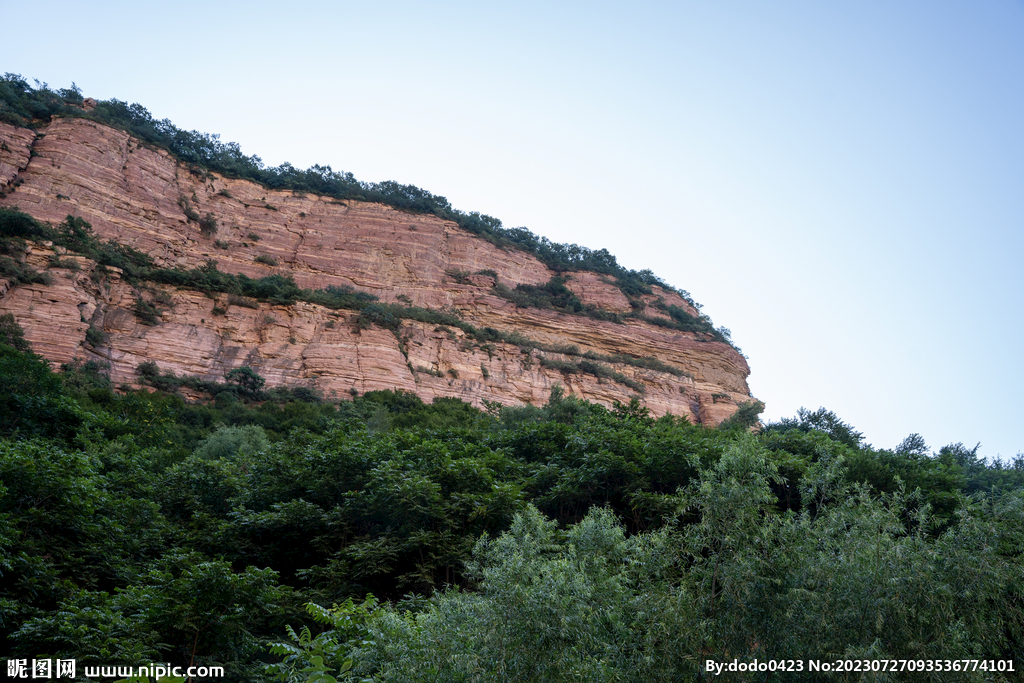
<point x="745" y="417"/>
<point x="228" y="442"/>
<point x="852" y="576"/>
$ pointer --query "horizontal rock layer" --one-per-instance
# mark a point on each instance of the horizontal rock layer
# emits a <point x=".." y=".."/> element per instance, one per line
<point x="138" y="195"/>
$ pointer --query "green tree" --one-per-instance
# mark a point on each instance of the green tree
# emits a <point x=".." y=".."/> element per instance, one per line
<point x="227" y="442"/>
<point x="12" y="334"/>
<point x="247" y="379"/>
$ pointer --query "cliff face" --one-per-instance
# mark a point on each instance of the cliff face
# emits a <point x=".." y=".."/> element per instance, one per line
<point x="138" y="196"/>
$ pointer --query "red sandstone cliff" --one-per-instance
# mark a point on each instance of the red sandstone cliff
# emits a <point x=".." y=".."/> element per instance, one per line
<point x="133" y="194"/>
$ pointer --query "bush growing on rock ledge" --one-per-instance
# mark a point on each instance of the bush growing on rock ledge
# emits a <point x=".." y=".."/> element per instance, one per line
<point x="208" y="225"/>
<point x="246" y="379"/>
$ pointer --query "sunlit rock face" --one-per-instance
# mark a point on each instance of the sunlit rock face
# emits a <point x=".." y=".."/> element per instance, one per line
<point x="138" y="196"/>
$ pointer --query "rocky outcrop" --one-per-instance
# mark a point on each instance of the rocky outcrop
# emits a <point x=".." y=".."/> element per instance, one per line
<point x="15" y="151"/>
<point x="143" y="197"/>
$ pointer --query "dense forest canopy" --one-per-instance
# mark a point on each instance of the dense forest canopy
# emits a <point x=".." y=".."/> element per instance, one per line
<point x="285" y="537"/>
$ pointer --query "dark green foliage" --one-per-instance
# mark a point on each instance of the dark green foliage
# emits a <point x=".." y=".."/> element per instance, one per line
<point x="246" y="291"/>
<point x="736" y="582"/>
<point x="243" y="382"/>
<point x="379" y="315"/>
<point x="11" y="333"/>
<point x="147" y="313"/>
<point x="684" y="322"/>
<point x="148" y="370"/>
<point x="552" y="294"/>
<point x="167" y="530"/>
<point x="428" y="371"/>
<point x="555" y="295"/>
<point x="565" y="366"/>
<point x="589" y="367"/>
<point x="266" y="260"/>
<point x="149" y="374"/>
<point x="18" y="273"/>
<point x="247" y="380"/>
<point x="460" y="276"/>
<point x="22" y="105"/>
<point x="31" y="401"/>
<point x="597" y="370"/>
<point x="650" y="363"/>
<point x="407" y="410"/>
<point x="208" y="225"/>
<point x="75" y="235"/>
<point x="820" y="420"/>
<point x="162" y="297"/>
<point x="86" y="376"/>
<point x="11" y="246"/>
<point x="634" y="284"/>
<point x="69" y="263"/>
<point x="231" y="442"/>
<point x="337" y="297"/>
<point x="187" y="209"/>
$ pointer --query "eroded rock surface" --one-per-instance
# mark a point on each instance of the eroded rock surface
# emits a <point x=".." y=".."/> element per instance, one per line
<point x="139" y="196"/>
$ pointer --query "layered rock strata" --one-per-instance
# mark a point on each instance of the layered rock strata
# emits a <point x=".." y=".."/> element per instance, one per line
<point x="141" y="196"/>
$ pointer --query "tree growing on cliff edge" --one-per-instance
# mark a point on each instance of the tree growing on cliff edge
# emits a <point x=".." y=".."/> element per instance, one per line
<point x="247" y="379"/>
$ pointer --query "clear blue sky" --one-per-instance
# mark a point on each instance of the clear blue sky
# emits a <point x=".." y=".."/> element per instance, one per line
<point x="840" y="184"/>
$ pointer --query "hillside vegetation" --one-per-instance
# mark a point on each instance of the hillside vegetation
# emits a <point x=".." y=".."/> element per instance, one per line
<point x="386" y="539"/>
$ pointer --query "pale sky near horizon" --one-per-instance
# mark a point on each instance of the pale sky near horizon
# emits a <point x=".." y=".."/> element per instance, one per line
<point x="840" y="184"/>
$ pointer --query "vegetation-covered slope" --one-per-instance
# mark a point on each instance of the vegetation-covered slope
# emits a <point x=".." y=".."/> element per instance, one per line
<point x="137" y="527"/>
